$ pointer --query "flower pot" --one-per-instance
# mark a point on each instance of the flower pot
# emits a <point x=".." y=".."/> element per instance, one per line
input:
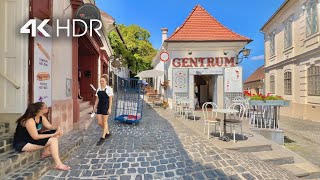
<point x="269" y="102"/>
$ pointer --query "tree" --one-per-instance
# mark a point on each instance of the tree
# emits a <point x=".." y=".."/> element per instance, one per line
<point x="138" y="51"/>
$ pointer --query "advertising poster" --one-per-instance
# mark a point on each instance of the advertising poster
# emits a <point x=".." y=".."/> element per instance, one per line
<point x="42" y="66"/>
<point x="233" y="79"/>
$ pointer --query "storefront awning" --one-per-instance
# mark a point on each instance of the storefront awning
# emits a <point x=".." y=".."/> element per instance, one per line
<point x="150" y="73"/>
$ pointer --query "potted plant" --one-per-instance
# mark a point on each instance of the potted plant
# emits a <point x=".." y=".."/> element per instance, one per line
<point x="269" y="100"/>
<point x="165" y="84"/>
<point x="165" y="104"/>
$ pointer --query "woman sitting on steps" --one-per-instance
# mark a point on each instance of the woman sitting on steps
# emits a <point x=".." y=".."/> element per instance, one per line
<point x="29" y="138"/>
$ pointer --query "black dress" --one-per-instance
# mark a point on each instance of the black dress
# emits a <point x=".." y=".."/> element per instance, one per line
<point x="103" y="104"/>
<point x="22" y="136"/>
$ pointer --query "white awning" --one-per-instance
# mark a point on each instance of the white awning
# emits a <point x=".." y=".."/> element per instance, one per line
<point x="150" y="73"/>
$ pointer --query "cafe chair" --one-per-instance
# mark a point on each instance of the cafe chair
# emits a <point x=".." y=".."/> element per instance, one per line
<point x="210" y="118"/>
<point x="235" y="119"/>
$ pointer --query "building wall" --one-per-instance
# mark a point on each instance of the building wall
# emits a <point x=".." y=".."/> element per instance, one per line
<point x="217" y="49"/>
<point x="13" y="60"/>
<point x="303" y="53"/>
<point x="61" y="67"/>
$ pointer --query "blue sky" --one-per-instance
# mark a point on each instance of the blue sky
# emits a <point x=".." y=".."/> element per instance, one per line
<point x="245" y="17"/>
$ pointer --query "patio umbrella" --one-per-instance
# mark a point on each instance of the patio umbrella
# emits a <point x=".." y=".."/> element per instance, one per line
<point x="150" y="73"/>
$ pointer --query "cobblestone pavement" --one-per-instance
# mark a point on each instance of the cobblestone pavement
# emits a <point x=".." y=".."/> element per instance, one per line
<point x="303" y="137"/>
<point x="160" y="148"/>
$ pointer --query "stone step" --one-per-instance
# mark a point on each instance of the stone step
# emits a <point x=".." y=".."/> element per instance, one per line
<point x="274" y="157"/>
<point x="85" y="122"/>
<point x="28" y="165"/>
<point x="84" y="104"/>
<point x="85" y="110"/>
<point x="6" y="143"/>
<point x="252" y="148"/>
<point x="304" y="170"/>
<point x="4" y="128"/>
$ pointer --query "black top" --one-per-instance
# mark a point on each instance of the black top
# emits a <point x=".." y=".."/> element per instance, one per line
<point x="22" y="133"/>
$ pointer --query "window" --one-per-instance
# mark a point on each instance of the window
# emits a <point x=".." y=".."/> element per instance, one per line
<point x="272" y="44"/>
<point x="287" y="83"/>
<point x="288" y="34"/>
<point x="312" y="18"/>
<point x="272" y="84"/>
<point x="314" y="81"/>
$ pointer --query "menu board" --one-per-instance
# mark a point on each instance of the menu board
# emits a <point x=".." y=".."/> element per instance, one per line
<point x="233" y="79"/>
<point x="42" y="66"/>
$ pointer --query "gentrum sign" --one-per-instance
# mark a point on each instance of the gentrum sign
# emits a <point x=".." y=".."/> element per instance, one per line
<point x="203" y="62"/>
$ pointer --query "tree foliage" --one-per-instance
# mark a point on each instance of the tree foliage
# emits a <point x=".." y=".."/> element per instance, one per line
<point x="138" y="51"/>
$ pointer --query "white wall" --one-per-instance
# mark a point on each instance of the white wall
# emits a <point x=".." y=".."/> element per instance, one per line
<point x="61" y="51"/>
<point x="13" y="56"/>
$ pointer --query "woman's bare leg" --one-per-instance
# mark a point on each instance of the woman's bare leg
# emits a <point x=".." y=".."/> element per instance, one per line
<point x="105" y="127"/>
<point x="100" y="120"/>
<point x="31" y="147"/>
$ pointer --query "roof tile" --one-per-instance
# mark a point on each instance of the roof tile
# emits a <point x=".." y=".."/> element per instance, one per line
<point x="201" y="26"/>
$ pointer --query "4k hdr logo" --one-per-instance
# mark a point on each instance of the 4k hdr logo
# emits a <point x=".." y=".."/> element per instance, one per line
<point x="87" y="17"/>
<point x="41" y="27"/>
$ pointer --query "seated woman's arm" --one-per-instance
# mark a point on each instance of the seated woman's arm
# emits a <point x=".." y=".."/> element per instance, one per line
<point x="47" y="124"/>
<point x="32" y="130"/>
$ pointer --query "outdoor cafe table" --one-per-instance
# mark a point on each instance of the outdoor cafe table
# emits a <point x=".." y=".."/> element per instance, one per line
<point x="225" y="112"/>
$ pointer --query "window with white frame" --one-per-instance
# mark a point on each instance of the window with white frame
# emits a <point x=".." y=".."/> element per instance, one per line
<point x="272" y="84"/>
<point x="272" y="44"/>
<point x="312" y="18"/>
<point x="287" y="83"/>
<point x="288" y="34"/>
<point x="314" y="81"/>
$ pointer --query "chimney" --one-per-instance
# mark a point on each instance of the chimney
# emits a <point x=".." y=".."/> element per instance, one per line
<point x="164" y="33"/>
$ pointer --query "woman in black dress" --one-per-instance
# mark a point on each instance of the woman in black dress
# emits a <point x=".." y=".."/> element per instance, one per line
<point x="28" y="137"/>
<point x="103" y="106"/>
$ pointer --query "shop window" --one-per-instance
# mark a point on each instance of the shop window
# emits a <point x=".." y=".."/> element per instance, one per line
<point x="288" y="34"/>
<point x="312" y="18"/>
<point x="287" y="83"/>
<point x="272" y="84"/>
<point x="314" y="81"/>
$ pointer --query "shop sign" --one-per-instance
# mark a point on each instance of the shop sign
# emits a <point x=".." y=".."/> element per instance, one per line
<point x="205" y="71"/>
<point x="233" y="79"/>
<point x="204" y="62"/>
<point x="42" y="67"/>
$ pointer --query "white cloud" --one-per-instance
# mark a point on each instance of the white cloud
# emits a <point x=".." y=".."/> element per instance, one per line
<point x="255" y="58"/>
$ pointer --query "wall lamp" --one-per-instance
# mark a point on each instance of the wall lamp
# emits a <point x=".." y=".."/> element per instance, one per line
<point x="245" y="53"/>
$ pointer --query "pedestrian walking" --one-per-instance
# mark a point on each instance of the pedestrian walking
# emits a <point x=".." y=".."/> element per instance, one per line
<point x="103" y="107"/>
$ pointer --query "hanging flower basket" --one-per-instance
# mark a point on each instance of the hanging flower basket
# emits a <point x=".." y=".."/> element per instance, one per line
<point x="165" y="84"/>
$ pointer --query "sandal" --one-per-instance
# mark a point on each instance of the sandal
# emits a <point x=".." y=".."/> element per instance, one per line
<point x="62" y="167"/>
<point x="44" y="155"/>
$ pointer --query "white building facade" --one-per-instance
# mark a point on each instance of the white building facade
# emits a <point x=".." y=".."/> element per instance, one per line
<point x="292" y="57"/>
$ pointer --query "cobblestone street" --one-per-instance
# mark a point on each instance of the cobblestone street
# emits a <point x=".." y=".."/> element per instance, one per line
<point x="159" y="148"/>
<point x="303" y="137"/>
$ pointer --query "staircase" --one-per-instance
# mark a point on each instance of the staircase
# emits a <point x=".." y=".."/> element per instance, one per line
<point x="85" y="112"/>
<point x="28" y="165"/>
<point x="283" y="158"/>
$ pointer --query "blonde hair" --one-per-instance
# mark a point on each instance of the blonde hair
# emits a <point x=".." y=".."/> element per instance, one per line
<point x="105" y="76"/>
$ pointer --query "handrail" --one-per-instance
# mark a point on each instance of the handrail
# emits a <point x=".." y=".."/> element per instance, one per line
<point x="11" y="81"/>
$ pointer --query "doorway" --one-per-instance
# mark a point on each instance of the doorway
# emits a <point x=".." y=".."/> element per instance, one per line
<point x="88" y="59"/>
<point x="205" y="88"/>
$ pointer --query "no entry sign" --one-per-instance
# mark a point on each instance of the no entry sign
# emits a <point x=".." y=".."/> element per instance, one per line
<point x="164" y="56"/>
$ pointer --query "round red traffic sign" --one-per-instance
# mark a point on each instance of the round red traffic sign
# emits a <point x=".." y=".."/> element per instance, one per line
<point x="164" y="56"/>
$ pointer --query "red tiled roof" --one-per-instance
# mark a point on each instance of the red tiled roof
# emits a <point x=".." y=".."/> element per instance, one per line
<point x="256" y="76"/>
<point x="201" y="26"/>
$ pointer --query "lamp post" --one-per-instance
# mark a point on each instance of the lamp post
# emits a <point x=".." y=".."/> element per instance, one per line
<point x="245" y="53"/>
